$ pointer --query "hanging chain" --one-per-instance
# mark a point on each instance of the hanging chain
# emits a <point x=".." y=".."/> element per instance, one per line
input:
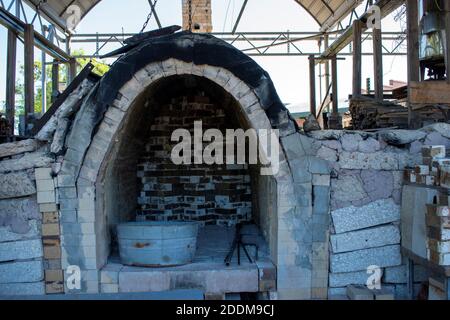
<point x="148" y="17"/>
<point x="190" y="14"/>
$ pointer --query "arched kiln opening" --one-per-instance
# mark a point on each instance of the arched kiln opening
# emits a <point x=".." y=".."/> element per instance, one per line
<point x="140" y="182"/>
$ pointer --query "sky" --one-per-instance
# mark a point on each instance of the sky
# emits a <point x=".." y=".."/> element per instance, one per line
<point x="290" y="74"/>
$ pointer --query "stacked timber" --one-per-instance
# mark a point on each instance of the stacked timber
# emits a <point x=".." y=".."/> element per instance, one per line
<point x="371" y="114"/>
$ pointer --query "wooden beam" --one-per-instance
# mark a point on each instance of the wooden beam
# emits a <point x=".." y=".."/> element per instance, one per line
<point x="412" y="16"/>
<point x="429" y="92"/>
<point x="29" y="73"/>
<point x="312" y="86"/>
<point x="357" y="58"/>
<point x="378" y="63"/>
<point x="72" y="69"/>
<point x="11" y="80"/>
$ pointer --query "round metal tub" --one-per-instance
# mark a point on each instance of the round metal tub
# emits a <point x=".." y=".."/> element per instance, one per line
<point x="157" y="244"/>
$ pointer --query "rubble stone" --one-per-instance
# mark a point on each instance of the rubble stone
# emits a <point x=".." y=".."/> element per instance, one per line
<point x="401" y="137"/>
<point x="16" y="185"/>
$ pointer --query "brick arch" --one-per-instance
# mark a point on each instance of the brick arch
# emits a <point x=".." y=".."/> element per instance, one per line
<point x="101" y="119"/>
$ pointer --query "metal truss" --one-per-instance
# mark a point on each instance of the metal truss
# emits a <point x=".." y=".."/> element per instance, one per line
<point x="259" y="43"/>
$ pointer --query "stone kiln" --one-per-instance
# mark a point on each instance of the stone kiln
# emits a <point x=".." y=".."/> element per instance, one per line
<point x="108" y="164"/>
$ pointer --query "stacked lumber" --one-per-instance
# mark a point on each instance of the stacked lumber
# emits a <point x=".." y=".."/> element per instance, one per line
<point x="371" y="114"/>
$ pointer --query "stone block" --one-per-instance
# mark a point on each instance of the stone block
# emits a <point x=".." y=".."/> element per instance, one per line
<point x="323" y="180"/>
<point x="350" y="142"/>
<point x="340" y="188"/>
<point x="27" y="161"/>
<point x="109" y="288"/>
<point x="364" y="239"/>
<point x="398" y="275"/>
<point x="364" y="161"/>
<point x="22" y="289"/>
<point x="21" y="250"/>
<point x="388" y="256"/>
<point x="378" y="184"/>
<point x="21" y="272"/>
<point x="321" y="205"/>
<point x="374" y="214"/>
<point x="338" y="280"/>
<point x="16" y="185"/>
<point x="68" y="216"/>
<point x="19" y="147"/>
<point x="7" y="235"/>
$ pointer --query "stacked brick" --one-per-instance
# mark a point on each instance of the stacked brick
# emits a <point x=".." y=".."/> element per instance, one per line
<point x="200" y="13"/>
<point x="210" y="194"/>
<point x="54" y="277"/>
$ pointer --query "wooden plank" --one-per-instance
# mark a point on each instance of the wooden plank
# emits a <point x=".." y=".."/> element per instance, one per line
<point x="378" y="63"/>
<point x="11" y="80"/>
<point x="29" y="72"/>
<point x="312" y="86"/>
<point x="429" y="92"/>
<point x="357" y="58"/>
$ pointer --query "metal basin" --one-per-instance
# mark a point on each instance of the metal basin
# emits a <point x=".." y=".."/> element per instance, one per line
<point x="157" y="244"/>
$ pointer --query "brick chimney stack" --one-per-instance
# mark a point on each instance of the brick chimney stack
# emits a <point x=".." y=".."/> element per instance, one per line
<point x="201" y="16"/>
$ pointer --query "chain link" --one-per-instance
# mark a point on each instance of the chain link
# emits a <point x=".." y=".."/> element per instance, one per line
<point x="190" y="14"/>
<point x="148" y="17"/>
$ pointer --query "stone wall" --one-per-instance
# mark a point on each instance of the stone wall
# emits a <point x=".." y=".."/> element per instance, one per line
<point x="21" y="249"/>
<point x="365" y="198"/>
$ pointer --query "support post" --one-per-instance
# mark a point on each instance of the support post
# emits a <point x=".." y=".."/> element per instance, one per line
<point x="312" y="85"/>
<point x="55" y="80"/>
<point x="378" y="63"/>
<point x="335" y="121"/>
<point x="327" y="67"/>
<point x="410" y="278"/>
<point x="72" y="70"/>
<point x="29" y="74"/>
<point x="412" y="15"/>
<point x="447" y="38"/>
<point x="11" y="80"/>
<point x="357" y="58"/>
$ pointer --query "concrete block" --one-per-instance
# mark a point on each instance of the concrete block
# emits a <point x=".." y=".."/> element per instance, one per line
<point x="388" y="256"/>
<point x="48" y="207"/>
<point x="21" y="250"/>
<point x="364" y="239"/>
<point x="45" y="185"/>
<point x="46" y="197"/>
<point x="374" y="214"/>
<point x="359" y="293"/>
<point x="43" y="173"/>
<point x="51" y="229"/>
<point x="109" y="288"/>
<point x="22" y="289"/>
<point x="21" y="272"/>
